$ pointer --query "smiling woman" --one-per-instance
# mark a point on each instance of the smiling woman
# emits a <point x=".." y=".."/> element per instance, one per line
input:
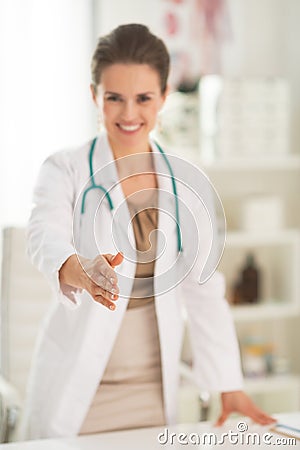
<point x="130" y="86"/>
<point x="108" y="355"/>
<point x="129" y="97"/>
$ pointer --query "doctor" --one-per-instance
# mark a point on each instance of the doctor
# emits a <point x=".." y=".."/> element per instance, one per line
<point x="123" y="243"/>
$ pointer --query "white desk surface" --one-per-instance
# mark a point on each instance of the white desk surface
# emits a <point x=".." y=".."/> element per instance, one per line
<point x="147" y="438"/>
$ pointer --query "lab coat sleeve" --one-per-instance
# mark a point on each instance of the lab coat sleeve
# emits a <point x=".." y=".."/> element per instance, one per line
<point x="49" y="231"/>
<point x="216" y="357"/>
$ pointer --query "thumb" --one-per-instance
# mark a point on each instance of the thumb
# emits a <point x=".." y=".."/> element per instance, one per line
<point x="117" y="259"/>
<point x="221" y="419"/>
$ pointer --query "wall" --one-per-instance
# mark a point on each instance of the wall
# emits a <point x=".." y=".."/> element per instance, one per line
<point x="111" y="13"/>
<point x="45" y="50"/>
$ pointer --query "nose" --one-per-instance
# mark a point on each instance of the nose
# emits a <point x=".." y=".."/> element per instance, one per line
<point x="129" y="110"/>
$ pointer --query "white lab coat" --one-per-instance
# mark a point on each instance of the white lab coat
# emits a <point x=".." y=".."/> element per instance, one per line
<point x="78" y="335"/>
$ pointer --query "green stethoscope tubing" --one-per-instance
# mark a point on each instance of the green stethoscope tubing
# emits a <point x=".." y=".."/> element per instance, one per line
<point x="108" y="197"/>
<point x="93" y="184"/>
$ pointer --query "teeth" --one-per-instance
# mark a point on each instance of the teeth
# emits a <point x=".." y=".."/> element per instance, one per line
<point x="129" y="127"/>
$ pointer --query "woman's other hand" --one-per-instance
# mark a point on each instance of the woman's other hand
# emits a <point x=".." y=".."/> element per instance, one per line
<point x="238" y="401"/>
<point x="96" y="276"/>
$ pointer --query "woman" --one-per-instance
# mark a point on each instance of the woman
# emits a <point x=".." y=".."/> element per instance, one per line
<point x="108" y="355"/>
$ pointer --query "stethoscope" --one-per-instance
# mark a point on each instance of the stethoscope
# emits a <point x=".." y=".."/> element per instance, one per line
<point x="108" y="197"/>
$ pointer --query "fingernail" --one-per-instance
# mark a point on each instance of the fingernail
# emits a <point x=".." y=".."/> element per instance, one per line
<point x="112" y="307"/>
<point x="112" y="280"/>
<point x="113" y="297"/>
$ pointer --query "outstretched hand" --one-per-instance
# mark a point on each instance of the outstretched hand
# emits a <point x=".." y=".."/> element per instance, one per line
<point x="238" y="401"/>
<point x="96" y="276"/>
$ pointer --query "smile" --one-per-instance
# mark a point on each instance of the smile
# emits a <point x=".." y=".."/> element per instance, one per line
<point x="129" y="128"/>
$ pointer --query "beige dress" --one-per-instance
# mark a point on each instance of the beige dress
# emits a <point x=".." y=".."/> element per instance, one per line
<point x="130" y="393"/>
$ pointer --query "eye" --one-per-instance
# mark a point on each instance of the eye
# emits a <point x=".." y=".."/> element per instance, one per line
<point x="113" y="98"/>
<point x="143" y="98"/>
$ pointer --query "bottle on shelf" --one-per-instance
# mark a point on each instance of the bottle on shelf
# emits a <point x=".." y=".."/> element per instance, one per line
<point x="257" y="356"/>
<point x="237" y="293"/>
<point x="250" y="280"/>
<point x="247" y="287"/>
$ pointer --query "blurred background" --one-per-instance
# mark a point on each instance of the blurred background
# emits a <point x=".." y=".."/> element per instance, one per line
<point x="234" y="111"/>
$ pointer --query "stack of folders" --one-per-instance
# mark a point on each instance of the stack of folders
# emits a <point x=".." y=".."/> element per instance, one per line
<point x="286" y="430"/>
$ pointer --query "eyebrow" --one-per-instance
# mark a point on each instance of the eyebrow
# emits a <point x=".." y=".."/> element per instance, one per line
<point x="116" y="93"/>
<point x="111" y="93"/>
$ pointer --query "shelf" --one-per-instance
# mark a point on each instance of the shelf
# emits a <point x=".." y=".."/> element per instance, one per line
<point x="264" y="311"/>
<point x="272" y="383"/>
<point x="246" y="238"/>
<point x="267" y="162"/>
<point x="277" y="254"/>
<point x="257" y="385"/>
<point x="271" y="163"/>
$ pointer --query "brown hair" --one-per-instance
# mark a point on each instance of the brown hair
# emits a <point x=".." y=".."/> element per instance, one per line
<point x="131" y="44"/>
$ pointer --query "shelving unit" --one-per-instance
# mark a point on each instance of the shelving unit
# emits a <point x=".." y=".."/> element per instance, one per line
<point x="262" y="163"/>
<point x="290" y="162"/>
<point x="277" y="314"/>
<point x="272" y="170"/>
<point x="247" y="313"/>
<point x="262" y="389"/>
<point x="270" y="384"/>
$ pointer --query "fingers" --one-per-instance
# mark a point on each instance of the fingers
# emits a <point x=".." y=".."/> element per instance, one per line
<point x="103" y="296"/>
<point x="103" y="301"/>
<point x="256" y="414"/>
<point x="260" y="417"/>
<point x="108" y="295"/>
<point x="102" y="280"/>
<point x="114" y="260"/>
<point x="106" y="290"/>
<point x="223" y="417"/>
<point x="103" y="267"/>
<point x="103" y="274"/>
<point x="117" y="259"/>
<point x="238" y="401"/>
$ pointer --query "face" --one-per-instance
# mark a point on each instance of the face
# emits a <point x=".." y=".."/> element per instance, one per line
<point x="129" y="98"/>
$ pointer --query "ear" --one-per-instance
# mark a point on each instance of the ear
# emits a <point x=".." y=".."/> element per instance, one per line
<point x="94" y="93"/>
<point x="167" y="91"/>
<point x="165" y="95"/>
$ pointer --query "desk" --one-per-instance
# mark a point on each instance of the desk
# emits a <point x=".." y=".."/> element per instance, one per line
<point x="147" y="438"/>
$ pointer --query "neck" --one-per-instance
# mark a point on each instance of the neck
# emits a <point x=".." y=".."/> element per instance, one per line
<point x="120" y="151"/>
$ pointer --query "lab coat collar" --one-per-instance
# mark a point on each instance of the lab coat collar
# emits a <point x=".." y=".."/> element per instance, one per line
<point x="104" y="161"/>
